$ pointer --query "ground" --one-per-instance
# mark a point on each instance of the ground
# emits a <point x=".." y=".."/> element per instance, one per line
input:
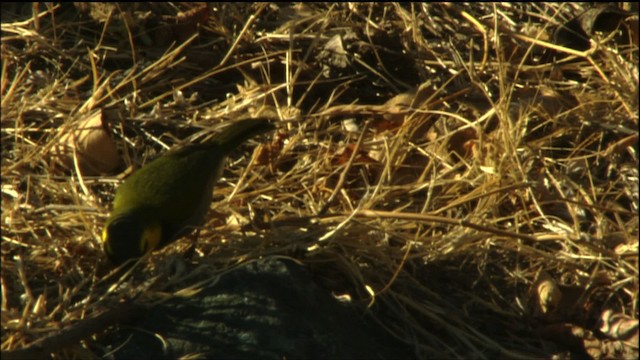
<point x="466" y="174"/>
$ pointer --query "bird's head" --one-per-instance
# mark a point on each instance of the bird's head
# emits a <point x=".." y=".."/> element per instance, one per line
<point x="130" y="235"/>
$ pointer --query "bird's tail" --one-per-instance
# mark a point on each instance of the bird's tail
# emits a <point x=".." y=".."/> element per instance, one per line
<point x="241" y="131"/>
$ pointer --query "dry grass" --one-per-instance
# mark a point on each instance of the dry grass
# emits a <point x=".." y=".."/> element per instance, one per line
<point x="512" y="160"/>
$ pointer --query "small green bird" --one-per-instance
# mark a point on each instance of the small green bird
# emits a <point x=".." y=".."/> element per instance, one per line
<point x="167" y="198"/>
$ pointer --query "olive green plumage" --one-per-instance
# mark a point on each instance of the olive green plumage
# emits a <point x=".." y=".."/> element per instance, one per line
<point x="170" y="196"/>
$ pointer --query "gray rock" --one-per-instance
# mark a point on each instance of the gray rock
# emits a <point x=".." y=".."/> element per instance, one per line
<point x="270" y="309"/>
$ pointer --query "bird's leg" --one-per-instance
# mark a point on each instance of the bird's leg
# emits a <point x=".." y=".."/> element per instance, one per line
<point x="191" y="250"/>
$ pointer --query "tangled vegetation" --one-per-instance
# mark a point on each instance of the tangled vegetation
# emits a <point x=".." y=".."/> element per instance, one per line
<point x="466" y="174"/>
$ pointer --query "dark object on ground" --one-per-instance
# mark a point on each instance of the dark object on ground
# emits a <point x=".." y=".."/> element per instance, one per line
<point x="270" y="309"/>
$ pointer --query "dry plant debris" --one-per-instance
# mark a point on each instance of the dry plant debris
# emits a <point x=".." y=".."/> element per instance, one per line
<point x="466" y="173"/>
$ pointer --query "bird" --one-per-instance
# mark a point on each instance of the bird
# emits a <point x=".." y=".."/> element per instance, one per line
<point x="170" y="196"/>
